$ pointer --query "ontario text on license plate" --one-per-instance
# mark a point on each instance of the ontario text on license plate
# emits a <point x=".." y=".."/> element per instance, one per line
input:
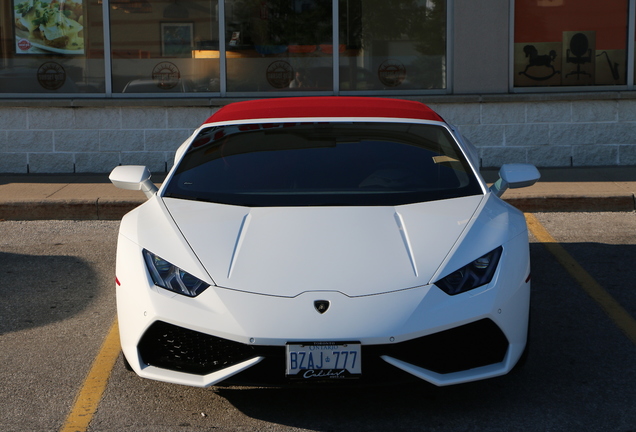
<point x="324" y="360"/>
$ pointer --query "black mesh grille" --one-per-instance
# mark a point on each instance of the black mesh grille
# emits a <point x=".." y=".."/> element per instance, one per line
<point x="176" y="348"/>
<point x="469" y="346"/>
<point x="461" y="348"/>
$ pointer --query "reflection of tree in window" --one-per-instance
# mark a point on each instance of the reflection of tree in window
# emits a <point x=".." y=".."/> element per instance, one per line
<point x="423" y="22"/>
<point x="284" y="22"/>
<point x="410" y="32"/>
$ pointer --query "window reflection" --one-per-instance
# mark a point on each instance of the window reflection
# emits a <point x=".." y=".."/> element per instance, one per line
<point x="392" y="45"/>
<point x="279" y="45"/>
<point x="51" y="46"/>
<point x="164" y="46"/>
<point x="271" y="46"/>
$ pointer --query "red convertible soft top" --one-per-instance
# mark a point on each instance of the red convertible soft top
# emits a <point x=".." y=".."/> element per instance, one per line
<point x="334" y="106"/>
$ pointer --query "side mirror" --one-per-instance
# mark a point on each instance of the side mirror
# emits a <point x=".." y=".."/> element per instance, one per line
<point x="515" y="176"/>
<point x="133" y="177"/>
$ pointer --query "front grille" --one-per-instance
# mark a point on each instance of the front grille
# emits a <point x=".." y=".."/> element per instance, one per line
<point x="170" y="347"/>
<point x="477" y="344"/>
<point x="175" y="348"/>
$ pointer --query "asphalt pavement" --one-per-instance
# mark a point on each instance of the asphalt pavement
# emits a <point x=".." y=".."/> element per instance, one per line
<point x="93" y="197"/>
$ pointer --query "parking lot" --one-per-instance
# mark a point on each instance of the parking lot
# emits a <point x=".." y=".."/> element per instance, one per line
<point x="58" y="309"/>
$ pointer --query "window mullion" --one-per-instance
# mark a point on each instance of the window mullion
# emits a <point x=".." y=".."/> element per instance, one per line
<point x="631" y="33"/>
<point x="222" y="51"/>
<point x="108" y="64"/>
<point x="335" y="7"/>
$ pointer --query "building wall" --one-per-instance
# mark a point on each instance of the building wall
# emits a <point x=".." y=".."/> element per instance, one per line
<point x="480" y="46"/>
<point x="547" y="130"/>
<point x="588" y="131"/>
<point x="88" y="139"/>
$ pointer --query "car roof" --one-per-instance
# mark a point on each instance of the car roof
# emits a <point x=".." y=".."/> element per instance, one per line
<point x="334" y="106"/>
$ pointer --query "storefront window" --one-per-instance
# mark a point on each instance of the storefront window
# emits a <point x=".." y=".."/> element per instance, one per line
<point x="168" y="46"/>
<point x="570" y="43"/>
<point x="279" y="45"/>
<point x="51" y="46"/>
<point x="392" y="45"/>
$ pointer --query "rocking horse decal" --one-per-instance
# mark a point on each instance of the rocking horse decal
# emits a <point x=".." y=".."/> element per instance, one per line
<point x="536" y="60"/>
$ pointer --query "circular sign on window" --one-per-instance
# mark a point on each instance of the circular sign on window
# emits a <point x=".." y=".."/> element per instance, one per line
<point x="166" y="75"/>
<point x="280" y="74"/>
<point x="24" y="45"/>
<point x="51" y="75"/>
<point x="391" y="73"/>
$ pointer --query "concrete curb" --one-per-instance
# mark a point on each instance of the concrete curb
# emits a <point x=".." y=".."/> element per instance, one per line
<point x="106" y="209"/>
<point x="573" y="203"/>
<point x="66" y="210"/>
<point x="93" y="197"/>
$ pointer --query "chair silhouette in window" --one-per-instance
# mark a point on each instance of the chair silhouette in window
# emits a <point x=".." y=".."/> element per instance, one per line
<point x="579" y="53"/>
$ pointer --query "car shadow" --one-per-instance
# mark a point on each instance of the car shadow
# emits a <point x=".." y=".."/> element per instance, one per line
<point x="570" y="338"/>
<point x="38" y="289"/>
<point x="405" y="407"/>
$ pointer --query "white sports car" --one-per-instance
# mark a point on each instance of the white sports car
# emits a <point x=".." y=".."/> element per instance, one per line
<point x="320" y="239"/>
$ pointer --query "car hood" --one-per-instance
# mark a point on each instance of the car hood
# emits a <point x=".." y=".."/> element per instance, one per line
<point x="285" y="251"/>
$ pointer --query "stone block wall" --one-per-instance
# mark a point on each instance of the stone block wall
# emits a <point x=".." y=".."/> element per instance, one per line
<point x="93" y="140"/>
<point x="548" y="133"/>
<point x="582" y="130"/>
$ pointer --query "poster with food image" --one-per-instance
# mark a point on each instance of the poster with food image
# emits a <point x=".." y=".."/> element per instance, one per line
<point x="49" y="26"/>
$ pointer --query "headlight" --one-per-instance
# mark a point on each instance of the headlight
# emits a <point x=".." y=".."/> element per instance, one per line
<point x="473" y="275"/>
<point x="171" y="277"/>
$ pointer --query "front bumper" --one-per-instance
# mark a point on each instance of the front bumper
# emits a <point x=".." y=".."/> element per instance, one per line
<point x="470" y="346"/>
<point x="418" y="332"/>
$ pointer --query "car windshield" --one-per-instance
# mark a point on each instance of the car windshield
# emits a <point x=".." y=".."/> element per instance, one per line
<point x="323" y="163"/>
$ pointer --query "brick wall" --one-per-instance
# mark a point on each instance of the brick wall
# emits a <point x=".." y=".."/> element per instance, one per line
<point x="547" y="133"/>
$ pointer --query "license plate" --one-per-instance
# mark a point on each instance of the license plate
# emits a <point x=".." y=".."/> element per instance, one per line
<point x="324" y="360"/>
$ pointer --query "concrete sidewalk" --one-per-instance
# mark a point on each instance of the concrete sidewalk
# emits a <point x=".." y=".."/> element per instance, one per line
<point x="92" y="196"/>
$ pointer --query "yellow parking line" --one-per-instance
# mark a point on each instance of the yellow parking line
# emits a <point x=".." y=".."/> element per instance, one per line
<point x="94" y="385"/>
<point x="612" y="308"/>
